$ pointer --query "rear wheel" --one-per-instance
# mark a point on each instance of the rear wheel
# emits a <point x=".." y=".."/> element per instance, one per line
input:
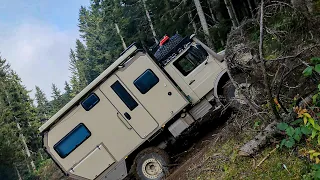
<point x="151" y="164"/>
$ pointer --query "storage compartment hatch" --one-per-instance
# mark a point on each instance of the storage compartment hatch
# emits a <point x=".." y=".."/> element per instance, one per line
<point x="94" y="164"/>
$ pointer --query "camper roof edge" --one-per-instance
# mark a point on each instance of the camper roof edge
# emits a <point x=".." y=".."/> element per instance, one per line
<point x="87" y="89"/>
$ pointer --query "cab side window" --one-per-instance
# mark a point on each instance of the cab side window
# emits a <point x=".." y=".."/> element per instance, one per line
<point x="195" y="56"/>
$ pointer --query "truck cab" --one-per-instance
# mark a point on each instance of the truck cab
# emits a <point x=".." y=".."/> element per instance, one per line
<point x="121" y="122"/>
<point x="193" y="68"/>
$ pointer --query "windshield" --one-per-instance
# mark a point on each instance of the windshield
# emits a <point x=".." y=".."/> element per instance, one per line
<point x="191" y="59"/>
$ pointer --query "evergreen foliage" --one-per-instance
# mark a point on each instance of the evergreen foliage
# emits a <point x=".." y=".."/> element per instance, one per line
<point x="99" y="45"/>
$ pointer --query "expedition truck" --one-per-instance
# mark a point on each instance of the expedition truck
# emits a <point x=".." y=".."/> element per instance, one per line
<point x="123" y="120"/>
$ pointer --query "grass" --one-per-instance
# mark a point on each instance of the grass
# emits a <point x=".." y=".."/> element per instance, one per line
<point x="222" y="162"/>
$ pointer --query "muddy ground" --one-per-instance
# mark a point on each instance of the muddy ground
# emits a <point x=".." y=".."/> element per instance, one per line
<point x="193" y="147"/>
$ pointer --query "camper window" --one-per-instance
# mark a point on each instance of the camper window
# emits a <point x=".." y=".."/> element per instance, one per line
<point x="90" y="102"/>
<point x="124" y="95"/>
<point x="72" y="140"/>
<point x="190" y="60"/>
<point x="146" y="81"/>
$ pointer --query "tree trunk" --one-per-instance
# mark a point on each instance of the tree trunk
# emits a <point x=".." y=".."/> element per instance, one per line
<point x="203" y="22"/>
<point x="263" y="65"/>
<point x="26" y="147"/>
<point x="211" y="12"/>
<point x="121" y="37"/>
<point x="231" y="13"/>
<point x="195" y="29"/>
<point x="218" y="11"/>
<point x="302" y="5"/>
<point x="221" y="38"/>
<point x="18" y="173"/>
<point x="250" y="7"/>
<point x="150" y="21"/>
<point x="41" y="156"/>
<point x="245" y="9"/>
<point x="234" y="12"/>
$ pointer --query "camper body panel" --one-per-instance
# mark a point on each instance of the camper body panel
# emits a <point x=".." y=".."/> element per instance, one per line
<point x="136" y="115"/>
<point x="163" y="101"/>
<point x="106" y="129"/>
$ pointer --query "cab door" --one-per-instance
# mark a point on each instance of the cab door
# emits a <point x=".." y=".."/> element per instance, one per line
<point x="130" y="110"/>
<point x="198" y="69"/>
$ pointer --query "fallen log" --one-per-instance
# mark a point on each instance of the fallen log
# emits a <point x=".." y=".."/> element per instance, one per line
<point x="259" y="140"/>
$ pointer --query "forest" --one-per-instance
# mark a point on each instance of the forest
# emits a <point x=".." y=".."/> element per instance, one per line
<point x="107" y="27"/>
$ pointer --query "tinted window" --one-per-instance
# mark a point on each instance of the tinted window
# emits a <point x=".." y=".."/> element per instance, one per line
<point x="124" y="95"/>
<point x="72" y="140"/>
<point x="146" y="81"/>
<point x="191" y="59"/>
<point x="90" y="102"/>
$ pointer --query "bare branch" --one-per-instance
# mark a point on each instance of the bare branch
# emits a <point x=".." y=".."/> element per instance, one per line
<point x="263" y="65"/>
<point x="294" y="56"/>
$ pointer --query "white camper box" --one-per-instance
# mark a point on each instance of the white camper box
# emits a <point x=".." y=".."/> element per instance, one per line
<point x="112" y="128"/>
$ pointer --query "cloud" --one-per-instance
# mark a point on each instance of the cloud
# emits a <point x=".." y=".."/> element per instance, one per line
<point x="38" y="52"/>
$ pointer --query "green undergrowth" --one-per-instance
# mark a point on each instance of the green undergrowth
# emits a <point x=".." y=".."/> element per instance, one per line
<point x="271" y="168"/>
<point x="223" y="162"/>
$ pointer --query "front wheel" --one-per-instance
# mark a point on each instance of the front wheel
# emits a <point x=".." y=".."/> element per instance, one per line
<point x="233" y="96"/>
<point x="151" y="164"/>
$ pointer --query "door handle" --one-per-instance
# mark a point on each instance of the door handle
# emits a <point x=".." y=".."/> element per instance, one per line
<point x="192" y="82"/>
<point x="123" y="121"/>
<point x="127" y="115"/>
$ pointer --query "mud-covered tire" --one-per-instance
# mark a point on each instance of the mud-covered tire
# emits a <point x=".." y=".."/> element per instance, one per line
<point x="233" y="97"/>
<point x="141" y="169"/>
<point x="229" y="91"/>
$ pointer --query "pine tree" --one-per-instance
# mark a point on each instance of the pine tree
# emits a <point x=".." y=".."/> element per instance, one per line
<point x="10" y="143"/>
<point x="57" y="101"/>
<point x="43" y="107"/>
<point x="67" y="96"/>
<point x="18" y="117"/>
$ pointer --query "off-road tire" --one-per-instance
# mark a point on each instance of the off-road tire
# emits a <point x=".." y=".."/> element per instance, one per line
<point x="229" y="91"/>
<point x="160" y="155"/>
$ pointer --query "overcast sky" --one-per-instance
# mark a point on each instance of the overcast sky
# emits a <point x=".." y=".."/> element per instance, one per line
<point x="36" y="37"/>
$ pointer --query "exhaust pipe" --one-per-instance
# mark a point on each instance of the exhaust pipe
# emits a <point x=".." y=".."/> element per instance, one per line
<point x="217" y="56"/>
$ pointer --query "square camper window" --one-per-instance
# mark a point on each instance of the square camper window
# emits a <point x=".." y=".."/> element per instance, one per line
<point x="195" y="56"/>
<point x="90" y="102"/>
<point x="72" y="140"/>
<point x="146" y="81"/>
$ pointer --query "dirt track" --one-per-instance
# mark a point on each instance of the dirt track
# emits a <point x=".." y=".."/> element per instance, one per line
<point x="190" y="150"/>
<point x="194" y="152"/>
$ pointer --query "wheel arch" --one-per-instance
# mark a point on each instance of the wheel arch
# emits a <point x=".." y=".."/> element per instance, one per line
<point x="220" y="81"/>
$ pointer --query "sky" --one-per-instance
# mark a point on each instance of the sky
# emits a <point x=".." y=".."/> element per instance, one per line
<point x="36" y="37"/>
